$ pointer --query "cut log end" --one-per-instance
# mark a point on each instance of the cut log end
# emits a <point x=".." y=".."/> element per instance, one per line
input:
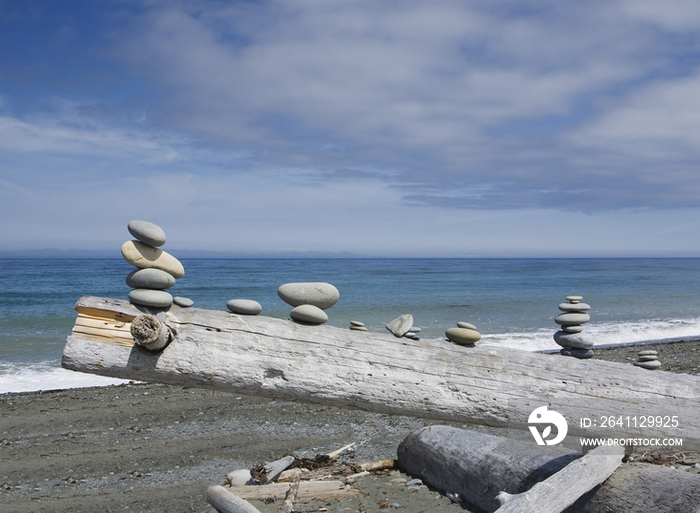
<point x="150" y="332"/>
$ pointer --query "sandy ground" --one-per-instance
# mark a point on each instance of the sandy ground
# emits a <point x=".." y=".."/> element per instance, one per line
<point x="156" y="448"/>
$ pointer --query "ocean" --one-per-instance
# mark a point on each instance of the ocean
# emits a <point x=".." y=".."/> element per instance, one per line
<point x="512" y="302"/>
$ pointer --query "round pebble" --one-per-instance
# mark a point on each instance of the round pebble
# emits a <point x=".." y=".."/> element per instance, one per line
<point x="647" y="358"/>
<point x="319" y="294"/>
<point x="574" y="307"/>
<point x="147" y="233"/>
<point x="647" y="352"/>
<point x="467" y="325"/>
<point x="150" y="279"/>
<point x="577" y="353"/>
<point x="244" y="306"/>
<point x="150" y="297"/>
<point x="357" y="323"/>
<point x="308" y="314"/>
<point x="574" y="328"/>
<point x="358" y="328"/>
<point x="184" y="302"/>
<point x="463" y="336"/>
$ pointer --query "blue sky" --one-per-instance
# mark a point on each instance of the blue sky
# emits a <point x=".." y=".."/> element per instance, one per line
<point x="381" y="128"/>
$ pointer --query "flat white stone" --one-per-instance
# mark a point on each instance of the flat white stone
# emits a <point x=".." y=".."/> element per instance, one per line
<point x="150" y="297"/>
<point x="244" y="306"/>
<point x="647" y="352"/>
<point x="319" y="294"/>
<point x="144" y="256"/>
<point x="574" y="307"/>
<point x="414" y="329"/>
<point x="574" y="299"/>
<point x="357" y="323"/>
<point x="358" y="328"/>
<point x="184" y="302"/>
<point x="240" y="477"/>
<point x="647" y="358"/>
<point x="309" y="314"/>
<point x="400" y="326"/>
<point x="463" y="336"/>
<point x="147" y="233"/>
<point x="468" y="325"/>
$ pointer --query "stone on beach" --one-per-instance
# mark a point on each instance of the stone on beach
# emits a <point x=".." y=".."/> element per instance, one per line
<point x="400" y="326"/>
<point x="572" y="318"/>
<point x="150" y="279"/>
<point x="150" y="297"/>
<point x="467" y="325"/>
<point x="244" y="306"/>
<point x="574" y="307"/>
<point x="240" y="477"/>
<point x="308" y="314"/>
<point x="356" y="323"/>
<point x="577" y="353"/>
<point x="651" y="365"/>
<point x="358" y="328"/>
<point x="144" y="256"/>
<point x="183" y="302"/>
<point x="574" y="340"/>
<point x="146" y="232"/>
<point x="463" y="336"/>
<point x="319" y="294"/>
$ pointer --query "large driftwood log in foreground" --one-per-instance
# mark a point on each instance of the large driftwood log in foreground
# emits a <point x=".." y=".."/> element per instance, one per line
<point x="424" y="378"/>
<point x="477" y="467"/>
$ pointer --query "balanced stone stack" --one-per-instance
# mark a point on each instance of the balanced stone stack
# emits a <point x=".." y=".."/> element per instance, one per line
<point x="647" y="360"/>
<point x="569" y="337"/>
<point x="357" y="326"/>
<point x="403" y="326"/>
<point x="156" y="270"/>
<point x="309" y="300"/>
<point x="464" y="334"/>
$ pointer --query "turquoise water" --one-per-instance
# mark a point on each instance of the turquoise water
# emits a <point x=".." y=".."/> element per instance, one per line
<point x="511" y="301"/>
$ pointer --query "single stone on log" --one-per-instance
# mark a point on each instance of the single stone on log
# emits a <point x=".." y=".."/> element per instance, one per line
<point x="183" y="302"/>
<point x="308" y="314"/>
<point x="244" y="306"/>
<point x="463" y="336"/>
<point x="400" y="326"/>
<point x="144" y="256"/>
<point x="146" y="232"/>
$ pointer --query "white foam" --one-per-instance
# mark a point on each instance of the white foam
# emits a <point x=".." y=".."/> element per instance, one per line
<point x="46" y="376"/>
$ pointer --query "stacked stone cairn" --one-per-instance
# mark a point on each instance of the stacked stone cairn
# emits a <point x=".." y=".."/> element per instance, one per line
<point x="156" y="270"/>
<point x="357" y="326"/>
<point x="569" y="337"/>
<point x="403" y="326"/>
<point x="464" y="334"/>
<point x="647" y="360"/>
<point x="309" y="300"/>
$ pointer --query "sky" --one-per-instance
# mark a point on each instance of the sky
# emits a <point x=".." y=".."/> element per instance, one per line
<point x="471" y="128"/>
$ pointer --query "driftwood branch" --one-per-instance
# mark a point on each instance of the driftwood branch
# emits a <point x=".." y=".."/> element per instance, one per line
<point x="288" y="505"/>
<point x="427" y="378"/>
<point x="562" y="489"/>
<point x="227" y="502"/>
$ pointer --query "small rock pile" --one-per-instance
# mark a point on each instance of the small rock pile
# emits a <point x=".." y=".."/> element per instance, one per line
<point x="401" y="325"/>
<point x="309" y="300"/>
<point x="156" y="269"/>
<point x="464" y="334"/>
<point x="357" y="326"/>
<point x="647" y="360"/>
<point x="570" y="338"/>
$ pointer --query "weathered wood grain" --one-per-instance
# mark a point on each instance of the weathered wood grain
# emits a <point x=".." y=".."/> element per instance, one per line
<point x="434" y="379"/>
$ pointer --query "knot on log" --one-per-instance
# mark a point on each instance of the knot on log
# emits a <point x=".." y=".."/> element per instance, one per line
<point x="149" y="332"/>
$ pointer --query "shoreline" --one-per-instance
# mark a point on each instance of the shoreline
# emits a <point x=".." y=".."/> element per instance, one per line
<point x="155" y="448"/>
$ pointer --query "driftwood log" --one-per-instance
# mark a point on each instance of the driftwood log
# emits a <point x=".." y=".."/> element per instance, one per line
<point x="478" y="468"/>
<point x="434" y="379"/>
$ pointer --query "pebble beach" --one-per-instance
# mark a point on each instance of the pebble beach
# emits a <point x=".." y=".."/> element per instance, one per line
<point x="154" y="448"/>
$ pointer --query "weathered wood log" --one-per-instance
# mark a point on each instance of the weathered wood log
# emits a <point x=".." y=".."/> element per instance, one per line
<point x="477" y="467"/>
<point x="561" y="490"/>
<point x="435" y="379"/>
<point x="308" y="490"/>
<point x="227" y="502"/>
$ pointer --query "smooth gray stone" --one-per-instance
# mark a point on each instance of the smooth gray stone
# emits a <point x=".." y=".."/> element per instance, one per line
<point x="146" y="232"/>
<point x="400" y="326"/>
<point x="150" y="297"/>
<point x="573" y="340"/>
<point x="654" y="364"/>
<point x="574" y="299"/>
<point x="414" y="329"/>
<point x="647" y="358"/>
<point x="309" y="314"/>
<point x="575" y="328"/>
<point x="150" y="279"/>
<point x="463" y="336"/>
<point x="244" y="306"/>
<point x="647" y="352"/>
<point x="358" y="328"/>
<point x="568" y="319"/>
<point x="411" y="335"/>
<point x="414" y="482"/>
<point x="184" y="302"/>
<point x="467" y="325"/>
<point x="574" y="307"/>
<point x="577" y="353"/>
<point x="357" y="323"/>
<point x="321" y="295"/>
